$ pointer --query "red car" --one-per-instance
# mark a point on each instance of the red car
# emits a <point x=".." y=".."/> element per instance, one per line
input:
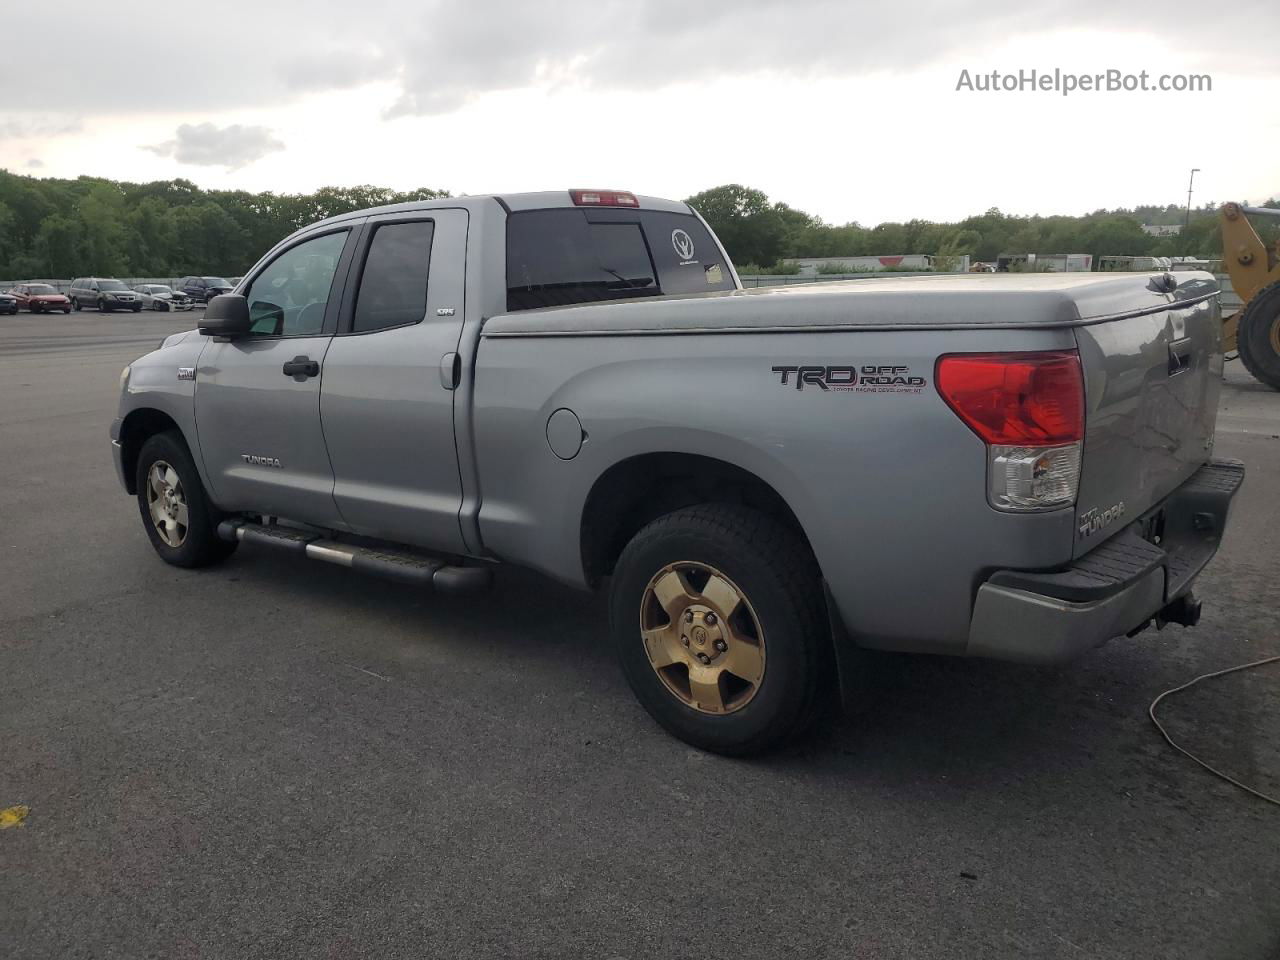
<point x="39" y="297"/>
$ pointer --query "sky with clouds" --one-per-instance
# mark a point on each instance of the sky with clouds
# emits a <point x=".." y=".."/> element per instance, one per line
<point x="847" y="110"/>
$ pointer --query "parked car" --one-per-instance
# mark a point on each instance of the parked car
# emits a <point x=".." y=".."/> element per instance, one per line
<point x="161" y="296"/>
<point x="8" y="303"/>
<point x="203" y="289"/>
<point x="764" y="478"/>
<point x="105" y="294"/>
<point x="40" y="298"/>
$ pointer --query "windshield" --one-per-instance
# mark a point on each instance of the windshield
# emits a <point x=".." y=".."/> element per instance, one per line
<point x="215" y="281"/>
<point x="111" y="285"/>
<point x="41" y="290"/>
<point x="158" y="288"/>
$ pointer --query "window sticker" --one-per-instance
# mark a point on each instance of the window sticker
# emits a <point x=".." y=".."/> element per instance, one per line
<point x="682" y="243"/>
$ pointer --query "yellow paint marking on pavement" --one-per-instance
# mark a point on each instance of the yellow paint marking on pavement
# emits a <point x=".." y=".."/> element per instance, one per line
<point x="13" y="816"/>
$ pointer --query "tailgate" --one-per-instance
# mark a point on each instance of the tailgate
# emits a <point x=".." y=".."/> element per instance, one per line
<point x="1152" y="380"/>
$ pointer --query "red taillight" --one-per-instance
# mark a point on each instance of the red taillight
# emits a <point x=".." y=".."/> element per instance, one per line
<point x="603" y="198"/>
<point x="1031" y="399"/>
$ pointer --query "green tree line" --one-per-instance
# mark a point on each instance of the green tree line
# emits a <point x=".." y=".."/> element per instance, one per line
<point x="760" y="232"/>
<point x="54" y="228"/>
<point x="95" y="227"/>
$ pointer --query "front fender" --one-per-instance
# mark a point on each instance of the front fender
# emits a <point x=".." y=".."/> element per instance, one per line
<point x="153" y="384"/>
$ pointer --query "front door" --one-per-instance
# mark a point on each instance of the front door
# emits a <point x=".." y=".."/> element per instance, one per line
<point x="258" y="397"/>
<point x="388" y="396"/>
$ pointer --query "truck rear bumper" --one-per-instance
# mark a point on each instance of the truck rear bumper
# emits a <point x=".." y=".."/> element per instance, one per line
<point x="1112" y="590"/>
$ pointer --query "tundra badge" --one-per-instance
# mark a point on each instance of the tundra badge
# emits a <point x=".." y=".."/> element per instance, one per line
<point x="1094" y="520"/>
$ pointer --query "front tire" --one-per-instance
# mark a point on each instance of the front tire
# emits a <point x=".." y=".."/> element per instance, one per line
<point x="717" y="618"/>
<point x="1258" y="338"/>
<point x="102" y="307"/>
<point x="179" y="518"/>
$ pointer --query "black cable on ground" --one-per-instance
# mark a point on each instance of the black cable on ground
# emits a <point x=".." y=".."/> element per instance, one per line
<point x="1151" y="711"/>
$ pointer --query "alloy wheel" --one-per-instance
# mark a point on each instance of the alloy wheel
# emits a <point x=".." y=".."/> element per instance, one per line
<point x="702" y="637"/>
<point x="167" y="503"/>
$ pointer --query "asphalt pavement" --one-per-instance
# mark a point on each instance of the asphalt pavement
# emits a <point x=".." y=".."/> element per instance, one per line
<point x="277" y="758"/>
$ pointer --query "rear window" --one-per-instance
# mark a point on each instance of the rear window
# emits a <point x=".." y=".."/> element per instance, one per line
<point x="567" y="256"/>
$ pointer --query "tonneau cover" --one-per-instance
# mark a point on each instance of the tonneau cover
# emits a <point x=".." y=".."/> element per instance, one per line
<point x="939" y="301"/>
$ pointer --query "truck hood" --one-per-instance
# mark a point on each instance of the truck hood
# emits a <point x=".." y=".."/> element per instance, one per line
<point x="942" y="301"/>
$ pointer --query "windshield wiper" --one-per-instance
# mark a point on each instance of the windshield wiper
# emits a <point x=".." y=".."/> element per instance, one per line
<point x="631" y="284"/>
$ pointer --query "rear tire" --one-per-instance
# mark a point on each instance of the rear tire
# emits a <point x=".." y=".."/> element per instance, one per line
<point x="179" y="518"/>
<point x="1258" y="338"/>
<point x="769" y="644"/>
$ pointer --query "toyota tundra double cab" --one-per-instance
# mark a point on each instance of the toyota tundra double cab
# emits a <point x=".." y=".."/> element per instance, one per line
<point x="1016" y="466"/>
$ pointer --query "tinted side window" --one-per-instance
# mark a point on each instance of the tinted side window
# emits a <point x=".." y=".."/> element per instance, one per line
<point x="393" y="285"/>
<point x="288" y="298"/>
<point x="558" y="257"/>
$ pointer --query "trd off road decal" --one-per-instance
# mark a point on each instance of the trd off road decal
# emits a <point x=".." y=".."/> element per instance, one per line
<point x="848" y="378"/>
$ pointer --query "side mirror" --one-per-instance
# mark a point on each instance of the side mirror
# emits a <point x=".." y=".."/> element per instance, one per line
<point x="226" y="316"/>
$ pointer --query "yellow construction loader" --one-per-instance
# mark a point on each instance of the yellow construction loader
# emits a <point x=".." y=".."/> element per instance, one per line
<point x="1254" y="330"/>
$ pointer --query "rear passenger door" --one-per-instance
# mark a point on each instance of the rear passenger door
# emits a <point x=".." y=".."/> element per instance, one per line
<point x="387" y="400"/>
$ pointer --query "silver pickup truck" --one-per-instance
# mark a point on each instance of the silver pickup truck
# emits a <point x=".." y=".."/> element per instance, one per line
<point x="1016" y="466"/>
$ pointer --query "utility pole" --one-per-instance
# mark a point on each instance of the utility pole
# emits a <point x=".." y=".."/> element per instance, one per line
<point x="1194" y="171"/>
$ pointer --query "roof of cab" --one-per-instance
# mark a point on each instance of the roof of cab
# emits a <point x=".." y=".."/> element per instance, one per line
<point x="539" y="200"/>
